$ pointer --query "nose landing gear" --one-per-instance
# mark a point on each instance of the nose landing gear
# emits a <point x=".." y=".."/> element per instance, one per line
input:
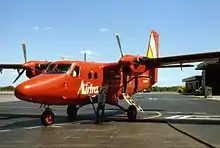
<point x="47" y="117"/>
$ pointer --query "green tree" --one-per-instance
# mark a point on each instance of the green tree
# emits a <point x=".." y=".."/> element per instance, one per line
<point x="7" y="88"/>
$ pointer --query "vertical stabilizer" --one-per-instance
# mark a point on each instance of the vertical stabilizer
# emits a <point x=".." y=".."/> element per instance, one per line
<point x="153" y="52"/>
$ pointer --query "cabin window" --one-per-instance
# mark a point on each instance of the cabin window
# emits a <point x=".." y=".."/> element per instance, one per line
<point x="90" y="75"/>
<point x="76" y="71"/>
<point x="95" y="75"/>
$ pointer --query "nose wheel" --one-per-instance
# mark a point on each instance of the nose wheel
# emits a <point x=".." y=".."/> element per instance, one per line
<point x="47" y="117"/>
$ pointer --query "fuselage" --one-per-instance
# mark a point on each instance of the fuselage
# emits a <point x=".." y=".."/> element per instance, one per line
<point x="72" y="82"/>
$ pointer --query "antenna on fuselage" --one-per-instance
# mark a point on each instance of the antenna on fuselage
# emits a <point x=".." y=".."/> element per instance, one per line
<point x="84" y="54"/>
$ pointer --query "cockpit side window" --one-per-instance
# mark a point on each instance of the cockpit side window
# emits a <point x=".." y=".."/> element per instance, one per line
<point x="76" y="71"/>
<point x="57" y="68"/>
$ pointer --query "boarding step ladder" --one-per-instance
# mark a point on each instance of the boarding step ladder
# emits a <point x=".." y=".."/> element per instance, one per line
<point x="131" y="101"/>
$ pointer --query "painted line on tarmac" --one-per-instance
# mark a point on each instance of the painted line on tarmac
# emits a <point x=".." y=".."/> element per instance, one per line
<point x="195" y="117"/>
<point x="34" y="127"/>
<point x="152" y="98"/>
<point x="63" y="124"/>
<point x="186" y="113"/>
<point x="154" y="116"/>
<point x="30" y="128"/>
<point x="5" y="130"/>
<point x="54" y="126"/>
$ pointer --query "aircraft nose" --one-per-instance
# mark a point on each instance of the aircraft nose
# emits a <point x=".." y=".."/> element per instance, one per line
<point x="40" y="88"/>
<point x="21" y="92"/>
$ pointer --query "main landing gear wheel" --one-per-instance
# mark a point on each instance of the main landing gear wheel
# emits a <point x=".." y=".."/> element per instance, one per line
<point x="72" y="112"/>
<point x="132" y="113"/>
<point x="47" y="117"/>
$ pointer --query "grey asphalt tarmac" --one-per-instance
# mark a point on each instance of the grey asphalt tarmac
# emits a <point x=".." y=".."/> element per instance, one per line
<point x="168" y="120"/>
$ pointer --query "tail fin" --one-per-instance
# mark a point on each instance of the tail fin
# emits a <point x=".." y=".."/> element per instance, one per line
<point x="153" y="52"/>
<point x="153" y="45"/>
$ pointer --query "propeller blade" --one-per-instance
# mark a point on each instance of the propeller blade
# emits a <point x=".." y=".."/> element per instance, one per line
<point x="19" y="75"/>
<point x="24" y="51"/>
<point x="119" y="44"/>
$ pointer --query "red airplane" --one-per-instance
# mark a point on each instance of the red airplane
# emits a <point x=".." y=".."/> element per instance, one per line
<point x="76" y="83"/>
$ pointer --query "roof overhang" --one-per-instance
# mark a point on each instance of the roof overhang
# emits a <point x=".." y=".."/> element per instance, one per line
<point x="203" y="65"/>
<point x="191" y="78"/>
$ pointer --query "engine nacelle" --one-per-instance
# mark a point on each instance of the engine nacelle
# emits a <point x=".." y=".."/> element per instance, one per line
<point x="137" y="69"/>
<point x="32" y="73"/>
<point x="34" y="68"/>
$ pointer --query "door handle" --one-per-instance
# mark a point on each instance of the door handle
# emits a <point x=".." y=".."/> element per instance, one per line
<point x="65" y="84"/>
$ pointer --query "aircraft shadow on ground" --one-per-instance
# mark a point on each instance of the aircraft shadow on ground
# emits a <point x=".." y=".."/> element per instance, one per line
<point x="27" y="120"/>
<point x="111" y="115"/>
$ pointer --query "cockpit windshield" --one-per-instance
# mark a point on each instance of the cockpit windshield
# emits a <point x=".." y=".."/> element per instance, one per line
<point x="58" y="68"/>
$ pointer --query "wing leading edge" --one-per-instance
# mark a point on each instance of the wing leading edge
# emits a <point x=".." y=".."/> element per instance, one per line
<point x="11" y="66"/>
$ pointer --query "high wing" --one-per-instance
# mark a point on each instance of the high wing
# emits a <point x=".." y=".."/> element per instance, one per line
<point x="176" y="65"/>
<point x="115" y="66"/>
<point x="179" y="59"/>
<point x="11" y="66"/>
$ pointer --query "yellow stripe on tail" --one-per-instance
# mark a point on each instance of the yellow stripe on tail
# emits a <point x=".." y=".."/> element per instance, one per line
<point x="153" y="45"/>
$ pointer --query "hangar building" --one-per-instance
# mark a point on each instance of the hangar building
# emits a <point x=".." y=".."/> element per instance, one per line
<point x="210" y="77"/>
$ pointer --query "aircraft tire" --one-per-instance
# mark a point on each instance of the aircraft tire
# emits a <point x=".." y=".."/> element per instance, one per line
<point x="47" y="117"/>
<point x="132" y="113"/>
<point x="72" y="112"/>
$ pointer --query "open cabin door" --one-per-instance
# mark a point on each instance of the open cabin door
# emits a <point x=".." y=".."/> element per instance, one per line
<point x="73" y="82"/>
<point x="112" y="79"/>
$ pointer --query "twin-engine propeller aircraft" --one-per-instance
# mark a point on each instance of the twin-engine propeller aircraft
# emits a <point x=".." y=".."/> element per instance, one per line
<point x="76" y="83"/>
